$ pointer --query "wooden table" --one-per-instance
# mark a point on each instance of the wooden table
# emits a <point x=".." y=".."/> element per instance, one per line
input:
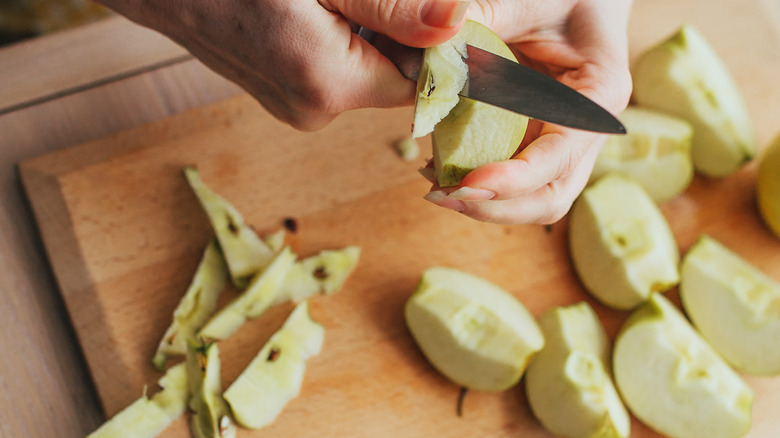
<point x="73" y="87"/>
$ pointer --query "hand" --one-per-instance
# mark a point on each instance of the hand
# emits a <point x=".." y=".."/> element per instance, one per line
<point x="582" y="43"/>
<point x="301" y="59"/>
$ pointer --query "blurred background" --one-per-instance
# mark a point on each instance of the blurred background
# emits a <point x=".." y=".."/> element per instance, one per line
<point x="22" y="19"/>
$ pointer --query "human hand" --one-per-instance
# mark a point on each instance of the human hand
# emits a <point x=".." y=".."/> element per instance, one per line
<point x="582" y="43"/>
<point x="301" y="59"/>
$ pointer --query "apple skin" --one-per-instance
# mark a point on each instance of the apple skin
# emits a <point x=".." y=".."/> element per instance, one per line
<point x="684" y="76"/>
<point x="673" y="381"/>
<point x="568" y="383"/>
<point x="656" y="151"/>
<point x="734" y="305"/>
<point x="621" y="246"/>
<point x="768" y="186"/>
<point x="476" y="334"/>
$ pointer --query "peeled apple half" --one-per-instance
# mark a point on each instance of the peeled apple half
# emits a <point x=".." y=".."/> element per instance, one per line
<point x="466" y="133"/>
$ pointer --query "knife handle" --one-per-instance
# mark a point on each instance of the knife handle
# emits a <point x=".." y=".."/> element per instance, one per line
<point x="407" y="60"/>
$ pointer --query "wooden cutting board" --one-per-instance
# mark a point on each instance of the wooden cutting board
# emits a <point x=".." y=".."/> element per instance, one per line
<point x="124" y="234"/>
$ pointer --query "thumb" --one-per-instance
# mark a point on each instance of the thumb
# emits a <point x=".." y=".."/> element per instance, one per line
<point x="415" y="23"/>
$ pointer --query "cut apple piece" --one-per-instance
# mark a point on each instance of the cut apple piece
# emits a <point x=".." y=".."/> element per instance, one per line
<point x="472" y="331"/>
<point x="147" y="417"/>
<point x="621" y="245"/>
<point x="275" y="375"/>
<point x="253" y="301"/>
<point x="734" y="305"/>
<point x="210" y="418"/>
<point x="684" y="76"/>
<point x="323" y="273"/>
<point x="199" y="302"/>
<point x="768" y="186"/>
<point x="246" y="254"/>
<point x="656" y="152"/>
<point x="568" y="384"/>
<point x="673" y="381"/>
<point x="467" y="133"/>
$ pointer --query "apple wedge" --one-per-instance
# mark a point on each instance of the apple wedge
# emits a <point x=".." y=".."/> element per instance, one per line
<point x="673" y="381"/>
<point x="148" y="416"/>
<point x="473" y="332"/>
<point x="734" y="305"/>
<point x="656" y="151"/>
<point x="275" y="375"/>
<point x="466" y="133"/>
<point x="196" y="306"/>
<point x="768" y="186"/>
<point x="324" y="272"/>
<point x="210" y="418"/>
<point x="246" y="254"/>
<point x="621" y="246"/>
<point x="568" y="384"/>
<point x="684" y="76"/>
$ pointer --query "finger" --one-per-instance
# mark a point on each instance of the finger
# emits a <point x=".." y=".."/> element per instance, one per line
<point x="416" y="23"/>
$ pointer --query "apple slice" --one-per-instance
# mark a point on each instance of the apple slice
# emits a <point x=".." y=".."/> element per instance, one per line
<point x="473" y="332"/>
<point x="275" y="375"/>
<point x="673" y="381"/>
<point x="323" y="273"/>
<point x="253" y="301"/>
<point x="621" y="245"/>
<point x="656" y="152"/>
<point x="568" y="384"/>
<point x="147" y="417"/>
<point x="684" y="76"/>
<point x="467" y="133"/>
<point x="246" y="254"/>
<point x="196" y="306"/>
<point x="734" y="305"/>
<point x="768" y="186"/>
<point x="210" y="417"/>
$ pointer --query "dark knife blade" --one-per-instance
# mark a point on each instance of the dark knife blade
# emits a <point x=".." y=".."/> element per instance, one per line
<point x="515" y="87"/>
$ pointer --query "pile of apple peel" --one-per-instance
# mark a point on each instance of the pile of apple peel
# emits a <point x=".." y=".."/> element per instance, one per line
<point x="266" y="272"/>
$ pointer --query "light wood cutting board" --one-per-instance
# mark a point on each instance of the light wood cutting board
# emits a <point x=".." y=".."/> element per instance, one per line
<point x="124" y="234"/>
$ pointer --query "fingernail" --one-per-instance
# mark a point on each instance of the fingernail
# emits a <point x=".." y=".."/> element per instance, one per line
<point x="442" y="200"/>
<point x="444" y="13"/>
<point x="472" y="194"/>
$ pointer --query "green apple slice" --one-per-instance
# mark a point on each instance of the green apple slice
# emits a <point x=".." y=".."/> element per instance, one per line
<point x="196" y="306"/>
<point x="684" y="76"/>
<point x="467" y="133"/>
<point x="323" y="273"/>
<point x="734" y="305"/>
<point x="246" y="254"/>
<point x="473" y="332"/>
<point x="656" y="152"/>
<point x="210" y="418"/>
<point x="147" y="417"/>
<point x="768" y="186"/>
<point x="275" y="375"/>
<point x="253" y="301"/>
<point x="673" y="381"/>
<point x="568" y="384"/>
<point x="621" y="245"/>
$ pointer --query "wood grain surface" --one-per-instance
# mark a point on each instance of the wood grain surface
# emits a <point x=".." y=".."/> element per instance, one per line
<point x="124" y="234"/>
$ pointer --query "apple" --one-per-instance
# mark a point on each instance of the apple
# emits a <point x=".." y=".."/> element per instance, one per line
<point x="684" y="76"/>
<point x="324" y="272"/>
<point x="275" y="375"/>
<point x="253" y="301"/>
<point x="466" y="133"/>
<point x="148" y="416"/>
<point x="196" y="306"/>
<point x="472" y="331"/>
<point x="768" y="186"/>
<point x="246" y="254"/>
<point x="210" y="418"/>
<point x="621" y="245"/>
<point x="673" y="381"/>
<point x="568" y="383"/>
<point x="734" y="305"/>
<point x="656" y="151"/>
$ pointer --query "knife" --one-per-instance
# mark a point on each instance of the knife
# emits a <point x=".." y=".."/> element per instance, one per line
<point x="498" y="81"/>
